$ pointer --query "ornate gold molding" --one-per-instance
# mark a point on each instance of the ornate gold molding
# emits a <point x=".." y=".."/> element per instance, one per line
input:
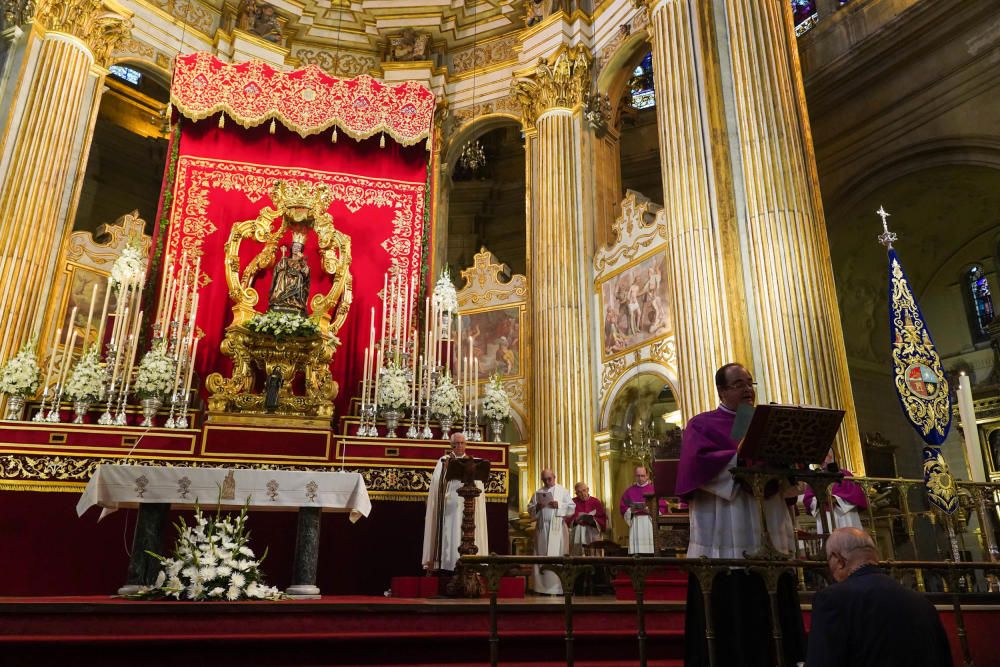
<point x="562" y="83"/>
<point x="101" y="27"/>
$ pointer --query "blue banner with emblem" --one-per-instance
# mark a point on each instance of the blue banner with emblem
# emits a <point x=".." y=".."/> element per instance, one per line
<point x="939" y="482"/>
<point x="916" y="367"/>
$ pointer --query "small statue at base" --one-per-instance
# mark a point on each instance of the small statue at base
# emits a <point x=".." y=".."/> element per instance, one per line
<point x="271" y="389"/>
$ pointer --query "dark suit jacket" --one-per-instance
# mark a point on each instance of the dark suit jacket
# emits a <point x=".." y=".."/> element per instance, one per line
<point x="869" y="619"/>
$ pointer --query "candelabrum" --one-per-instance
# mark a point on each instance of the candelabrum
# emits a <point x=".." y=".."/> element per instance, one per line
<point x="106" y="419"/>
<point x="413" y="433"/>
<point x="465" y="422"/>
<point x="40" y="415"/>
<point x="367" y="428"/>
<point x="120" y="418"/>
<point x="54" y="415"/>
<point x="426" y="432"/>
<point x="477" y="435"/>
<point x="171" y="420"/>
<point x="182" y="419"/>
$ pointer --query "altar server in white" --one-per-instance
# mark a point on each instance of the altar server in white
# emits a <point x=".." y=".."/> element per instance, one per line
<point x="550" y="505"/>
<point x="443" y="516"/>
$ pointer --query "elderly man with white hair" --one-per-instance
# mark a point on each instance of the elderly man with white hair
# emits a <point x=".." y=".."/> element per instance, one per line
<point x="867" y="618"/>
<point x="550" y="505"/>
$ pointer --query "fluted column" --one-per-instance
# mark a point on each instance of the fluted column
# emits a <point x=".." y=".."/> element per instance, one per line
<point x="562" y="383"/>
<point x="791" y="286"/>
<point x="703" y="250"/>
<point x="47" y="136"/>
<point x="750" y="263"/>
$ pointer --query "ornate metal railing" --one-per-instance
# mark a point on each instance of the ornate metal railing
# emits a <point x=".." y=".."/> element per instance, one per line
<point x="956" y="578"/>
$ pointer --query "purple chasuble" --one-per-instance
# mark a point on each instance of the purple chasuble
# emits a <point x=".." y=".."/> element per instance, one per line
<point x="706" y="449"/>
<point x="634" y="494"/>
<point x="845" y="490"/>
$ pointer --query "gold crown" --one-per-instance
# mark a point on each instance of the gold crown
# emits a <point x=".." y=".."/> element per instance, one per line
<point x="301" y="194"/>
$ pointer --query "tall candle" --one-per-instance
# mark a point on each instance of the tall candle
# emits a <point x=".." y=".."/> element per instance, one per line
<point x="190" y="373"/>
<point x="364" y="381"/>
<point x="418" y="380"/>
<point x="385" y="300"/>
<point x="171" y="290"/>
<point x="52" y="357"/>
<point x="475" y="386"/>
<point x="164" y="279"/>
<point x="119" y="307"/>
<point x="129" y="344"/>
<point x="90" y="317"/>
<point x="118" y="351"/>
<point x="134" y="347"/>
<point x="67" y="356"/>
<point x="378" y="375"/>
<point x="104" y="316"/>
<point x="413" y="374"/>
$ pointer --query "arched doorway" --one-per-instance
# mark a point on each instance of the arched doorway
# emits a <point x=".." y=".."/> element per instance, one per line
<point x="129" y="148"/>
<point x="486" y="206"/>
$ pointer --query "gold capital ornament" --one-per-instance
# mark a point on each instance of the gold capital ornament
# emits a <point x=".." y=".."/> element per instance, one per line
<point x="562" y="83"/>
<point x="101" y="26"/>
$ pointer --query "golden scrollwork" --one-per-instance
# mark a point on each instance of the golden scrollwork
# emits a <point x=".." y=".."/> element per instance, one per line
<point x="101" y="27"/>
<point x="298" y="205"/>
<point x="561" y="83"/>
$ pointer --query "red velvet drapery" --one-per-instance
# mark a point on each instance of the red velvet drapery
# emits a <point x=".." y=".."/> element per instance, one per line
<point x="225" y="175"/>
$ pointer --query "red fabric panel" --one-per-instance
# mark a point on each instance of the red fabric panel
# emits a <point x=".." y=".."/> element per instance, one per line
<point x="225" y="175"/>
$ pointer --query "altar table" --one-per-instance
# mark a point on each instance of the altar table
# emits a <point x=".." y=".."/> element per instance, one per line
<point x="154" y="489"/>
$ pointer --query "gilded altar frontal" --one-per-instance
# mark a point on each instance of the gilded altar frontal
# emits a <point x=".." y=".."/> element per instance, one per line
<point x="417" y="258"/>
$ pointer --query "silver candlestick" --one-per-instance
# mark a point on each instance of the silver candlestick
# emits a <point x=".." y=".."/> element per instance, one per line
<point x="54" y="416"/>
<point x="40" y="415"/>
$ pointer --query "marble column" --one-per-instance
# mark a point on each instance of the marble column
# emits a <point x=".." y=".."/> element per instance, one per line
<point x="50" y="100"/>
<point x="710" y="318"/>
<point x="750" y="262"/>
<point x="562" y="375"/>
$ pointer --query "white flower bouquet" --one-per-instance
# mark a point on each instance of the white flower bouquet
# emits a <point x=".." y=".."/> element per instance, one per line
<point x="20" y="377"/>
<point x="283" y="325"/>
<point x="393" y="389"/>
<point x="128" y="267"/>
<point x="445" y="297"/>
<point x="155" y="378"/>
<point x="496" y="403"/>
<point x="445" y="401"/>
<point x="87" y="379"/>
<point x="212" y="560"/>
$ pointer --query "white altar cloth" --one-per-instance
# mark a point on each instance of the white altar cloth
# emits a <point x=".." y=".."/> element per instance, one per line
<point x="117" y="486"/>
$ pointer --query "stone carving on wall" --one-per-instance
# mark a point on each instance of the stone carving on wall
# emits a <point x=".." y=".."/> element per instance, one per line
<point x="561" y="83"/>
<point x="133" y="47"/>
<point x="192" y="12"/>
<point x="507" y="104"/>
<point x="488" y="53"/>
<point x="336" y="63"/>
<point x="639" y="21"/>
<point x="409" y="46"/>
<point x="536" y="11"/>
<point x="259" y="18"/>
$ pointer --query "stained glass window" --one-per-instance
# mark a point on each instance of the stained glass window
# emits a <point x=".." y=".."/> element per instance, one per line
<point x="126" y="74"/>
<point x="641" y="85"/>
<point x="803" y="9"/>
<point x="982" y="301"/>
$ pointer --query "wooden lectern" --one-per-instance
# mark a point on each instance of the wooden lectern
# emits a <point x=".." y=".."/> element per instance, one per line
<point x="779" y="441"/>
<point x="465" y="581"/>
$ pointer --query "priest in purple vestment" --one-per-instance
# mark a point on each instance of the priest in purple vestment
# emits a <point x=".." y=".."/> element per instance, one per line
<point x="725" y="523"/>
<point x="633" y="507"/>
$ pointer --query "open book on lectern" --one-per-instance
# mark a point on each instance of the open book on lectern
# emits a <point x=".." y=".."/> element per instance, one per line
<point x="784" y="435"/>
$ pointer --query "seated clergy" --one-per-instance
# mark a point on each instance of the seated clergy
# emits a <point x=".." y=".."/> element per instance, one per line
<point x="550" y="505"/>
<point x="443" y="516"/>
<point x="633" y="508"/>
<point x="588" y="520"/>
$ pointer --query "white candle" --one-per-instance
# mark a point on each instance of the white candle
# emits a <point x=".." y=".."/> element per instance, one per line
<point x="128" y="359"/>
<point x="104" y="316"/>
<point x="475" y="387"/>
<point x="418" y="380"/>
<point x="966" y="410"/>
<point x="67" y="357"/>
<point x="413" y="384"/>
<point x="378" y="375"/>
<point x="52" y="357"/>
<point x="118" y="349"/>
<point x="134" y="347"/>
<point x="364" y="381"/>
<point x="164" y="279"/>
<point x="119" y="307"/>
<point x="385" y="300"/>
<point x="167" y="310"/>
<point x="90" y="317"/>
<point x="190" y="374"/>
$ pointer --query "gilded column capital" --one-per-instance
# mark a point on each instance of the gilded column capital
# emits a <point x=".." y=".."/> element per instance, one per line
<point x="561" y="83"/>
<point x="102" y="27"/>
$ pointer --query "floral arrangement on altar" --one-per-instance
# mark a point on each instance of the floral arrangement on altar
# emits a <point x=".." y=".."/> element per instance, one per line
<point x="87" y="379"/>
<point x="283" y="325"/>
<point x="445" y="401"/>
<point x="496" y="403"/>
<point x="129" y="266"/>
<point x="445" y="297"/>
<point x="393" y="389"/>
<point x="155" y="378"/>
<point x="212" y="561"/>
<point x="20" y="376"/>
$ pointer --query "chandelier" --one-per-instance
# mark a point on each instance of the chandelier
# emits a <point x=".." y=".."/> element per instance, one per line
<point x="640" y="441"/>
<point x="473" y="156"/>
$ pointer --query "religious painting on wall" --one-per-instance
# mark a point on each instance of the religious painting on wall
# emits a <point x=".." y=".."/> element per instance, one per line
<point x="82" y="283"/>
<point x="635" y="305"/>
<point x="496" y="341"/>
